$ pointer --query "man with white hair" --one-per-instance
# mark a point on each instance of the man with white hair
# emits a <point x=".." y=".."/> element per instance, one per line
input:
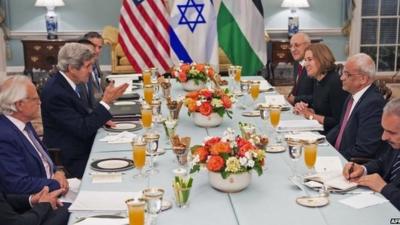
<point x="383" y="174"/>
<point x="25" y="166"/>
<point x="68" y="124"/>
<point x="358" y="134"/>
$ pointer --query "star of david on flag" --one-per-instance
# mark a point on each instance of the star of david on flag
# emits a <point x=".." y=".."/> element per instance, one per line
<point x="193" y="34"/>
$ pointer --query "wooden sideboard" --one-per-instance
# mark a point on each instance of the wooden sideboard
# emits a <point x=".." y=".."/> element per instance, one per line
<point x="41" y="53"/>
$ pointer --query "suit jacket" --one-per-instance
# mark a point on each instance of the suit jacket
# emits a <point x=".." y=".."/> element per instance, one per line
<point x="68" y="124"/>
<point x="304" y="87"/>
<point x="21" y="169"/>
<point x="362" y="134"/>
<point x="383" y="167"/>
<point x="16" y="210"/>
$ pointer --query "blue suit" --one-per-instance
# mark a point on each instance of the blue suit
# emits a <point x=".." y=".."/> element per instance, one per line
<point x="383" y="166"/>
<point x="68" y="124"/>
<point x="21" y="169"/>
<point x="362" y="134"/>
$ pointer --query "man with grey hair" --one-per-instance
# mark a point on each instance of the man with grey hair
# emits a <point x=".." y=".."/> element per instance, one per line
<point x="68" y="124"/>
<point x="358" y="133"/>
<point x="303" y="87"/>
<point x="383" y="174"/>
<point x="25" y="165"/>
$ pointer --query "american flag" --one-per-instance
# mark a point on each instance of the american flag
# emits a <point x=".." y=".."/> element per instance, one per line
<point x="143" y="34"/>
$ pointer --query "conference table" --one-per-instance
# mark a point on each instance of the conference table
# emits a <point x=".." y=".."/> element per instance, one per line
<point x="269" y="199"/>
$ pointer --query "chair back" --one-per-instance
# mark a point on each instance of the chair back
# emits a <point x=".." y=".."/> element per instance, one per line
<point x="383" y="89"/>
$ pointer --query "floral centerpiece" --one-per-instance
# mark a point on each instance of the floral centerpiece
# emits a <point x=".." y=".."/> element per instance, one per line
<point x="193" y="76"/>
<point x="226" y="157"/>
<point x="208" y="107"/>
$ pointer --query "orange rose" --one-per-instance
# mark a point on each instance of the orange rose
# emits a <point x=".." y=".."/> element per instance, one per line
<point x="193" y="95"/>
<point x="202" y="153"/>
<point x="226" y="101"/>
<point x="211" y="72"/>
<point x="215" y="163"/>
<point x="200" y="67"/>
<point x="205" y="108"/>
<point x="220" y="147"/>
<point x="182" y="77"/>
<point x="185" y="68"/>
<point x="212" y="142"/>
<point x="191" y="104"/>
<point x="245" y="148"/>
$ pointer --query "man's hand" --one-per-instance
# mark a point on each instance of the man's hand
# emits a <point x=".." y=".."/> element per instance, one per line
<point x="112" y="93"/>
<point x="111" y="124"/>
<point x="290" y="99"/>
<point x="373" y="181"/>
<point x="59" y="176"/>
<point x="45" y="196"/>
<point x="353" y="171"/>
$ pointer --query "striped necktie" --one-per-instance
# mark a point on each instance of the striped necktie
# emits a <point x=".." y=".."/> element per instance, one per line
<point x="344" y="123"/>
<point x="395" y="168"/>
<point x="77" y="91"/>
<point x="42" y="153"/>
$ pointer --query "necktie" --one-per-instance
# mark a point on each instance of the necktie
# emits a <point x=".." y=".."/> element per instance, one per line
<point x="77" y="89"/>
<point x="96" y="76"/>
<point x="344" y="123"/>
<point x="42" y="153"/>
<point x="395" y="168"/>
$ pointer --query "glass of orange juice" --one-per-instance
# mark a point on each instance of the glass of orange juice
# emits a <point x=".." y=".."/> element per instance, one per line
<point x="136" y="211"/>
<point x="139" y="155"/>
<point x="310" y="155"/>
<point x="274" y="115"/>
<point x="255" y="90"/>
<point x="148" y="92"/>
<point x="238" y="74"/>
<point x="146" y="75"/>
<point x="147" y="116"/>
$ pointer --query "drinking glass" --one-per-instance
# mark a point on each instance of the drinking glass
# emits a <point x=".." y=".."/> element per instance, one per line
<point x="148" y="92"/>
<point x="238" y="74"/>
<point x="146" y="75"/>
<point x="153" y="198"/>
<point x="254" y="90"/>
<point x="170" y="127"/>
<point x="181" y="195"/>
<point x="274" y="118"/>
<point x="232" y="72"/>
<point x="136" y="211"/>
<point x="151" y="140"/>
<point x="139" y="156"/>
<point x="156" y="110"/>
<point x="181" y="155"/>
<point x="295" y="149"/>
<point x="147" y="116"/>
<point x="310" y="156"/>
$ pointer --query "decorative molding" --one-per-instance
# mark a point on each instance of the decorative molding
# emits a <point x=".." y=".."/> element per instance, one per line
<point x="337" y="31"/>
<point x="33" y="34"/>
<point x="20" y="69"/>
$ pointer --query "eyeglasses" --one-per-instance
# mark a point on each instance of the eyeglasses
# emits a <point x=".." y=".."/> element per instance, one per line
<point x="34" y="99"/>
<point x="347" y="74"/>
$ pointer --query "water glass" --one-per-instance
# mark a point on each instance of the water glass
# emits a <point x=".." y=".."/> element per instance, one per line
<point x="151" y="140"/>
<point x="153" y="198"/>
<point x="295" y="149"/>
<point x="181" y="155"/>
<point x="136" y="211"/>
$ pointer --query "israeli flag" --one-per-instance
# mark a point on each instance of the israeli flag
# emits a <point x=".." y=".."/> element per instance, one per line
<point x="193" y="33"/>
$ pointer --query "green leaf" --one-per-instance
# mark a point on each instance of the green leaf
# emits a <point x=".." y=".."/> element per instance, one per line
<point x="258" y="169"/>
<point x="195" y="168"/>
<point x="224" y="174"/>
<point x="194" y="147"/>
<point x="189" y="185"/>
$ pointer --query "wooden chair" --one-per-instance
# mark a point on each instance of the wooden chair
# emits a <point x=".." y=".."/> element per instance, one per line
<point x="383" y="89"/>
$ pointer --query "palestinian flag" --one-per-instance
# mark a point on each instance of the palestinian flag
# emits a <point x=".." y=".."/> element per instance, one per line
<point x="241" y="34"/>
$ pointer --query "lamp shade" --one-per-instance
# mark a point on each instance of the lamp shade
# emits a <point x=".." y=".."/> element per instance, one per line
<point x="295" y="4"/>
<point x="49" y="3"/>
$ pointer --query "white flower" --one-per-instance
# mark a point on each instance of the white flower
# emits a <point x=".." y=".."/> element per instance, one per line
<point x="248" y="155"/>
<point x="207" y="138"/>
<point x="216" y="102"/>
<point x="243" y="161"/>
<point x="198" y="103"/>
<point x="196" y="159"/>
<point x="250" y="163"/>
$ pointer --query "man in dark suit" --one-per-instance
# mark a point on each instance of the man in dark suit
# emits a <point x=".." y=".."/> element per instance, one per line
<point x="68" y="124"/>
<point x="358" y="134"/>
<point x="383" y="174"/>
<point x="303" y="88"/>
<point x="42" y="208"/>
<point x="25" y="166"/>
<point x="97" y="80"/>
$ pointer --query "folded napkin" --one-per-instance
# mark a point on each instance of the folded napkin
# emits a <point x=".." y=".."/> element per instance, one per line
<point x="305" y="136"/>
<point x="265" y="86"/>
<point x="123" y="137"/>
<point x="278" y="100"/>
<point x="299" y="125"/>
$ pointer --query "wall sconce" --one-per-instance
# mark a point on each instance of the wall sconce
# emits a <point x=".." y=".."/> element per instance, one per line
<point x="51" y="17"/>
<point x="293" y="21"/>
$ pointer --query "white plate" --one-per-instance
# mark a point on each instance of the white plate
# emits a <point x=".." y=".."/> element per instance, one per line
<point x="112" y="164"/>
<point x="275" y="149"/>
<point x="311" y="201"/>
<point x="125" y="103"/>
<point x="124" y="126"/>
<point x="251" y="114"/>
